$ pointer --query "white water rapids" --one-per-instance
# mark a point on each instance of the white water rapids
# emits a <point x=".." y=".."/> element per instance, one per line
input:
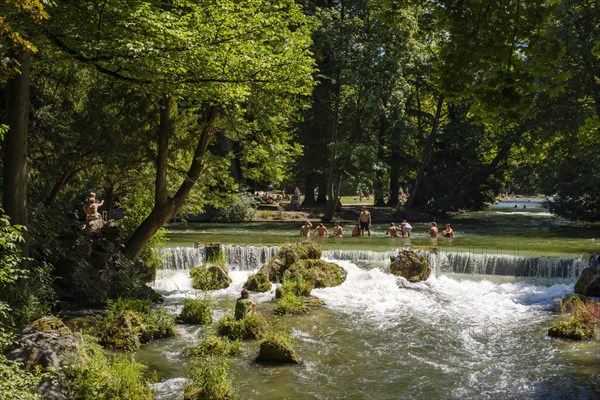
<point x="457" y="335"/>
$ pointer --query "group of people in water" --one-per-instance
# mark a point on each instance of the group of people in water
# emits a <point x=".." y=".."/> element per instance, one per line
<point x="363" y="227"/>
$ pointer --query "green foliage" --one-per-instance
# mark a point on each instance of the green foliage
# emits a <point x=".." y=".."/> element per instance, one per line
<point x="129" y="323"/>
<point x="106" y="378"/>
<point x="16" y="382"/>
<point x="196" y="311"/>
<point x="213" y="345"/>
<point x="250" y="327"/>
<point x="580" y="318"/>
<point x="290" y="303"/>
<point x="209" y="380"/>
<point x="241" y="209"/>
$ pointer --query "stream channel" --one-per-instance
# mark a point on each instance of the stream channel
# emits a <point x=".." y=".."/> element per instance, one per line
<point x="476" y="329"/>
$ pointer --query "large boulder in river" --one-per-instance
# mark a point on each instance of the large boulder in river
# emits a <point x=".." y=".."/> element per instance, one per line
<point x="411" y="265"/>
<point x="276" y="348"/>
<point x="588" y="283"/>
<point x="297" y="259"/>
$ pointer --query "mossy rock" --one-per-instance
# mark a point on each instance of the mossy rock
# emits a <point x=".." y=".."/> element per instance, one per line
<point x="258" y="282"/>
<point x="213" y="345"/>
<point x="50" y="324"/>
<point x="249" y="327"/>
<point x="318" y="273"/>
<point x="211" y="277"/>
<point x="412" y="265"/>
<point x="277" y="349"/>
<point x="572" y="328"/>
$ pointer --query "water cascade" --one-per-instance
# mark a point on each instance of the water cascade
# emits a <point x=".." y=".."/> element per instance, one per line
<point x="249" y="258"/>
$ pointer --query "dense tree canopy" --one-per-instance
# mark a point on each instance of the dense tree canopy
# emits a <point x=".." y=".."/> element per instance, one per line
<point x="175" y="106"/>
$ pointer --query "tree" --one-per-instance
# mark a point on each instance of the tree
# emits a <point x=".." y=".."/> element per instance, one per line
<point x="213" y="55"/>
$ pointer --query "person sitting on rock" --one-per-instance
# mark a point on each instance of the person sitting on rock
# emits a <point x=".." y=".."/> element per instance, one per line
<point x="90" y="208"/>
<point x="243" y="305"/>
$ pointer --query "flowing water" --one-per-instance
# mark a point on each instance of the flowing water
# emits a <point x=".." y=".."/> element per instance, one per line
<point x="476" y="329"/>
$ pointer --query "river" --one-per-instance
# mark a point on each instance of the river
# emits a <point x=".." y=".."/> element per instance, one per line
<point x="476" y="329"/>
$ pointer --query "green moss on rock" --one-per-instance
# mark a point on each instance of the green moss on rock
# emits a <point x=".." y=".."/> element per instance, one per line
<point x="258" y="282"/>
<point x="276" y="348"/>
<point x="211" y="277"/>
<point x="249" y="327"/>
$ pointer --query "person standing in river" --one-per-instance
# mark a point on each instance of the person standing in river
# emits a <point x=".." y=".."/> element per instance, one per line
<point x="321" y="231"/>
<point x="448" y="232"/>
<point x="433" y="230"/>
<point x="337" y="230"/>
<point x="364" y="219"/>
<point x="305" y="230"/>
<point x="243" y="305"/>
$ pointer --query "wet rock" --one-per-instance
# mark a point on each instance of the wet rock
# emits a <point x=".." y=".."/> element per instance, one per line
<point x="277" y="350"/>
<point x="210" y="277"/>
<point x="411" y="265"/>
<point x="588" y="283"/>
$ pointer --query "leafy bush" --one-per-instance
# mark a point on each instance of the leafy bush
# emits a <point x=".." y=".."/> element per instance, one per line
<point x="104" y="378"/>
<point x="242" y="209"/>
<point x="290" y="303"/>
<point x="209" y="380"/>
<point x="214" y="345"/>
<point x="196" y="311"/>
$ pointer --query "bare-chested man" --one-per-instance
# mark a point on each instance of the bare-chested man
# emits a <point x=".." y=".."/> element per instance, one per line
<point x="321" y="231"/>
<point x="305" y="230"/>
<point x="364" y="219"/>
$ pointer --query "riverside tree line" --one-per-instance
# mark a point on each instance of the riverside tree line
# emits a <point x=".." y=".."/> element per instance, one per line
<point x="167" y="107"/>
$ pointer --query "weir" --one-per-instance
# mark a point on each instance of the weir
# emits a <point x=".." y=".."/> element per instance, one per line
<point x="249" y="258"/>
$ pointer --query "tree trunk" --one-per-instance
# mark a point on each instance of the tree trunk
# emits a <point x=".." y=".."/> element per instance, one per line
<point x="378" y="187"/>
<point x="62" y="181"/>
<point x="14" y="191"/>
<point x="394" y="174"/>
<point x="427" y="152"/>
<point x="165" y="207"/>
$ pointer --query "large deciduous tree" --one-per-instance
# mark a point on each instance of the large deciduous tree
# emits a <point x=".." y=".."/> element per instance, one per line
<point x="216" y="56"/>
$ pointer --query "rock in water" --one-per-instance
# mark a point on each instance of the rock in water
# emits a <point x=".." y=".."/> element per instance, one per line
<point x="412" y="265"/>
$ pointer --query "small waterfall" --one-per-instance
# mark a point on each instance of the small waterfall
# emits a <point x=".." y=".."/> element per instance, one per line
<point x="487" y="264"/>
<point x="239" y="258"/>
<point x="249" y="258"/>
<point x="182" y="257"/>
